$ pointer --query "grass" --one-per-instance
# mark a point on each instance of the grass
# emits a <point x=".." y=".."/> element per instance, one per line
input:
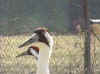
<point x="67" y="56"/>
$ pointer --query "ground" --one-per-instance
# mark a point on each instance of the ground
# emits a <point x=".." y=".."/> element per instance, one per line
<point x="67" y="56"/>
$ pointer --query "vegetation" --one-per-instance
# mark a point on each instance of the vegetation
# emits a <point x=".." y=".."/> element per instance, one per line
<point x="67" y="56"/>
<point x="17" y="21"/>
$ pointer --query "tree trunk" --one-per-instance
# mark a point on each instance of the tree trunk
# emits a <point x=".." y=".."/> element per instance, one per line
<point x="88" y="53"/>
<point x="89" y="39"/>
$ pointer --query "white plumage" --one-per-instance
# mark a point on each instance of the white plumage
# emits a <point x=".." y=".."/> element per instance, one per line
<point x="42" y="54"/>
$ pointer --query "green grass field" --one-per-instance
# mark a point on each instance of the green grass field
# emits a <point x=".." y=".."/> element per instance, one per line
<point x="67" y="56"/>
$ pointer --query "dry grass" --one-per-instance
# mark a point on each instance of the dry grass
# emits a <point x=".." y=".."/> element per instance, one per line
<point x="67" y="56"/>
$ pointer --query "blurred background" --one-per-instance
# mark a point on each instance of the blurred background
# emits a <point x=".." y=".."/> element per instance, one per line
<point x="60" y="15"/>
<point x="18" y="18"/>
